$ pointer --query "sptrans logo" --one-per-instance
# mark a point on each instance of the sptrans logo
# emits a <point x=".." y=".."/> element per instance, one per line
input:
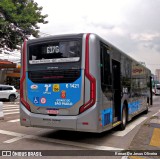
<point x="47" y="86"/>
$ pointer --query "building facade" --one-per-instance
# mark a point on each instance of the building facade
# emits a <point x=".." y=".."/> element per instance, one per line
<point x="9" y="73"/>
<point x="157" y="74"/>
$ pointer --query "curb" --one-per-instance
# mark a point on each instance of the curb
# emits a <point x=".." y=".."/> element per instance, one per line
<point x="151" y="131"/>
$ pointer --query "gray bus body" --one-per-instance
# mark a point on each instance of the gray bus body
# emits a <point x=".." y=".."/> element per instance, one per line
<point x="91" y="87"/>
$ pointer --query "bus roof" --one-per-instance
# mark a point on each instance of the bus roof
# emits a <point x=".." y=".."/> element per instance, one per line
<point x="64" y="36"/>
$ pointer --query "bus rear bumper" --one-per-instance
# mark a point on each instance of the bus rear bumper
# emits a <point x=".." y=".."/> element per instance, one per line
<point x="85" y="122"/>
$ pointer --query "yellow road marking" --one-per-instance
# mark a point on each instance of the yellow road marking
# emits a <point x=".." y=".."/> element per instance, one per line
<point x="155" y="140"/>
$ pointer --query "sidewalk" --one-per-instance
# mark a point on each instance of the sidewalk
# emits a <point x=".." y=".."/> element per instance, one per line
<point x="148" y="137"/>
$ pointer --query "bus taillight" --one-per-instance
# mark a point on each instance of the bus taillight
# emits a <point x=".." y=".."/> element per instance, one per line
<point x="92" y="100"/>
<point x="92" y="80"/>
<point x="23" y="77"/>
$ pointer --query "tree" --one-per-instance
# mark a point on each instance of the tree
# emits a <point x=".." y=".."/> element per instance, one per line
<point x="18" y="20"/>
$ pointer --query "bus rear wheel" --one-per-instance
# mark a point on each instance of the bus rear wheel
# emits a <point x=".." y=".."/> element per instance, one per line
<point x="147" y="105"/>
<point x="123" y="118"/>
<point x="146" y="111"/>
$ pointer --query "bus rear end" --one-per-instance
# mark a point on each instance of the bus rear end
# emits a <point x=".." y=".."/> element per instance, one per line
<point x="57" y="89"/>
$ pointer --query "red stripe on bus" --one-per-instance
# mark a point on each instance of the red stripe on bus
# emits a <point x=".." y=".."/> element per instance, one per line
<point x="92" y="80"/>
<point x="23" y="76"/>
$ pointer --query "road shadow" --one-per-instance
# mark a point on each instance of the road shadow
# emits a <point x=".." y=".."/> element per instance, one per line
<point x="75" y="136"/>
<point x="84" y="136"/>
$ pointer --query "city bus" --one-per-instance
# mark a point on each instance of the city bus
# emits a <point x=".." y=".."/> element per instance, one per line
<point x="80" y="82"/>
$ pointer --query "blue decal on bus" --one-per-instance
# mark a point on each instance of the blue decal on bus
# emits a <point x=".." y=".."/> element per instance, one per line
<point x="36" y="100"/>
<point x="106" y="116"/>
<point x="61" y="95"/>
<point x="134" y="106"/>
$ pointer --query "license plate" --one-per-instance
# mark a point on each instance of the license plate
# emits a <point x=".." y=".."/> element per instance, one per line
<point x="52" y="111"/>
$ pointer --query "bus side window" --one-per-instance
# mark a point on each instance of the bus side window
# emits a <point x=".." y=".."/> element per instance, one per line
<point x="105" y="66"/>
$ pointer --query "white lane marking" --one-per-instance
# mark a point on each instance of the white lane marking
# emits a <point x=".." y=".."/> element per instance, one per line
<point x="4" y="132"/>
<point x="124" y="157"/>
<point x="156" y="113"/>
<point x="10" y="110"/>
<point x="19" y="136"/>
<point x="130" y="127"/>
<point x="5" y="107"/>
<point x="11" y="113"/>
<point x="12" y="140"/>
<point x="9" y="105"/>
<point x="12" y="121"/>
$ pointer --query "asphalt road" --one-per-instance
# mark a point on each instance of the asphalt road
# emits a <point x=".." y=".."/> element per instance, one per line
<point x="15" y="137"/>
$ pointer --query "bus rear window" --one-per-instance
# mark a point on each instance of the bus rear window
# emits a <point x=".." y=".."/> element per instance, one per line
<point x="54" y="52"/>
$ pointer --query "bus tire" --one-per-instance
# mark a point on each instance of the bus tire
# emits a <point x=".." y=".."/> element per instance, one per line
<point x="124" y="118"/>
<point x="146" y="111"/>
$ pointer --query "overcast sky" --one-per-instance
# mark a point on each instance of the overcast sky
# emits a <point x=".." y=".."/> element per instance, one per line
<point x="132" y="26"/>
